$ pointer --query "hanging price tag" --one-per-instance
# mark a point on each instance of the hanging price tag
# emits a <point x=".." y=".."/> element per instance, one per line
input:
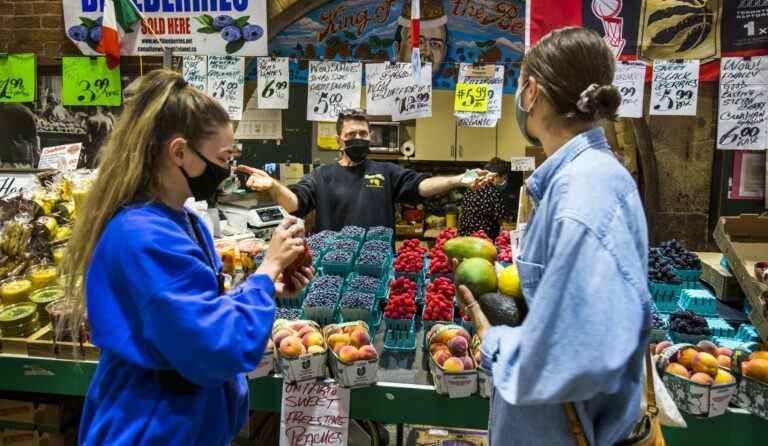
<point x="471" y="98"/>
<point x="88" y="81"/>
<point x="17" y="78"/>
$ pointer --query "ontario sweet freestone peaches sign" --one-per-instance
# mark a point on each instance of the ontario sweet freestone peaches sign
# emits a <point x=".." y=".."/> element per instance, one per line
<point x="208" y="27"/>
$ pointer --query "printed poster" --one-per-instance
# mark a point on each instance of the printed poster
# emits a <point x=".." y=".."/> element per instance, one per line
<point x="491" y="76"/>
<point x="675" y="87"/>
<point x="745" y="27"/>
<point x="226" y="83"/>
<point x="64" y="157"/>
<point x="227" y="27"/>
<point x="333" y="88"/>
<point x="195" y="71"/>
<point x="273" y="83"/>
<point x="743" y="108"/>
<point x="630" y="80"/>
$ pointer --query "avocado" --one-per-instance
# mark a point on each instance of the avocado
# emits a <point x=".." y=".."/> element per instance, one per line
<point x="500" y="309"/>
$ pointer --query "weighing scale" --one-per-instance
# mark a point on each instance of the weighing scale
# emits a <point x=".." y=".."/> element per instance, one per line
<point x="253" y="212"/>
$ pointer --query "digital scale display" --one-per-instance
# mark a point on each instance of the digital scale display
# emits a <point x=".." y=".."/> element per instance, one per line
<point x="269" y="214"/>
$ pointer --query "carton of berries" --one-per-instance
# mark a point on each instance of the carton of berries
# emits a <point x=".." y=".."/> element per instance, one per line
<point x="452" y="367"/>
<point x="267" y="363"/>
<point x="696" y="378"/>
<point x="354" y="361"/>
<point x="751" y="371"/>
<point x="300" y="350"/>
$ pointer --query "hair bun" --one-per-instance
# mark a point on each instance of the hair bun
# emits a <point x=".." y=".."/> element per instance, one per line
<point x="604" y="101"/>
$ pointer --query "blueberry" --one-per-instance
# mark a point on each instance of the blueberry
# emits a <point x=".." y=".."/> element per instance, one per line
<point x="95" y="34"/>
<point x="352" y="231"/>
<point x="377" y="245"/>
<point x="223" y="21"/>
<point x="338" y="257"/>
<point x="252" y="32"/>
<point x="231" y="34"/>
<point x="365" y="284"/>
<point x="372" y="258"/>
<point x="288" y="313"/>
<point x="346" y="244"/>
<point x="78" y="33"/>
<point x="357" y="299"/>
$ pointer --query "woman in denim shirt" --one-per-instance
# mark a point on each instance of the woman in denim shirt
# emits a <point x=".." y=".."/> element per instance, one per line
<point x="582" y="264"/>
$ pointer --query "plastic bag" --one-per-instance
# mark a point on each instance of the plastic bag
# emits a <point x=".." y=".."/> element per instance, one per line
<point x="669" y="415"/>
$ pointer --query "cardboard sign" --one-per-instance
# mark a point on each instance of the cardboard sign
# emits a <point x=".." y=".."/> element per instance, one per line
<point x="523" y="163"/>
<point x="226" y="82"/>
<point x="415" y="100"/>
<point x="743" y="104"/>
<point x="333" y="87"/>
<point x="630" y="80"/>
<point x="18" y="78"/>
<point x="469" y="74"/>
<point x="675" y="88"/>
<point x="63" y="157"/>
<point x="315" y="413"/>
<point x="195" y="71"/>
<point x="273" y="85"/>
<point x="471" y="98"/>
<point x="385" y="82"/>
<point x="15" y="182"/>
<point x="88" y="81"/>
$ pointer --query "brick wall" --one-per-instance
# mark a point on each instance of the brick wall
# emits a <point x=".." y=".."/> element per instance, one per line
<point x="35" y="26"/>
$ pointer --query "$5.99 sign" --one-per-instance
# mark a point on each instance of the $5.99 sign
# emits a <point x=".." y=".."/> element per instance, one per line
<point x="17" y="78"/>
<point x="88" y="81"/>
<point x="471" y="98"/>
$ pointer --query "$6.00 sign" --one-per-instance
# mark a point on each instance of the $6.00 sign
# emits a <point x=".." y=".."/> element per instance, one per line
<point x="88" y="81"/>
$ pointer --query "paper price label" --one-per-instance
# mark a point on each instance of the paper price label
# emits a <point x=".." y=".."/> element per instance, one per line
<point x="471" y="97"/>
<point x="88" y="81"/>
<point x="273" y="82"/>
<point x="675" y="88"/>
<point x="17" y="78"/>
<point x="523" y="164"/>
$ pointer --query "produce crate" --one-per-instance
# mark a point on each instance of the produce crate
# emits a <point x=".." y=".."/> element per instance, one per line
<point x="752" y="394"/>
<point x="484" y="382"/>
<point x="322" y="315"/>
<point x="344" y="235"/>
<point x="723" y="283"/>
<point x="690" y="277"/>
<point x="701" y="302"/>
<point x="383" y="237"/>
<point x="721" y="328"/>
<point x="337" y="269"/>
<point x="374" y="270"/>
<point x="292" y="302"/>
<point x="381" y="293"/>
<point x="400" y="334"/>
<point x="357" y="314"/>
<point x="666" y="296"/>
<point x="747" y="333"/>
<point x="359" y="373"/>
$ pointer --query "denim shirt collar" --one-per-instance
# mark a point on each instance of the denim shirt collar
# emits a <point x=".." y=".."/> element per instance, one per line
<point x="539" y="181"/>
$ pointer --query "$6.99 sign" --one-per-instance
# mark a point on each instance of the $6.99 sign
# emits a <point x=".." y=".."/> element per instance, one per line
<point x="88" y="81"/>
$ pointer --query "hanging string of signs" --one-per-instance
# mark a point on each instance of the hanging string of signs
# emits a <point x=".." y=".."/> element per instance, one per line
<point x="415" y="101"/>
<point x="222" y="77"/>
<point x="742" y="120"/>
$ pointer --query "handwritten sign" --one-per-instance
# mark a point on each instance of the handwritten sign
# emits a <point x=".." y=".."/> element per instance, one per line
<point x="471" y="98"/>
<point x="17" y="78"/>
<point x="226" y="82"/>
<point x="314" y="414"/>
<point x="273" y="82"/>
<point x="333" y="87"/>
<point x="260" y="123"/>
<point x="523" y="163"/>
<point x="630" y="80"/>
<point x="88" y="81"/>
<point x="743" y="112"/>
<point x="384" y="83"/>
<point x="675" y="87"/>
<point x="195" y="71"/>
<point x="63" y="157"/>
<point x="12" y="183"/>
<point x="415" y="100"/>
<point x="491" y="76"/>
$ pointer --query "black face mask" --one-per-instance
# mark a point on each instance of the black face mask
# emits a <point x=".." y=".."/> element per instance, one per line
<point x="204" y="186"/>
<point x="357" y="149"/>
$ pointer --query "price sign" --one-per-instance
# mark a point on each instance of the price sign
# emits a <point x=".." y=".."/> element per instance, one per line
<point x="333" y="87"/>
<point x="493" y="77"/>
<point x="17" y="78"/>
<point x="272" y="83"/>
<point x="385" y="82"/>
<point x="630" y="80"/>
<point x="195" y="71"/>
<point x="88" y="81"/>
<point x="743" y="112"/>
<point x="471" y="98"/>
<point x="63" y="157"/>
<point x="523" y="164"/>
<point x="226" y="82"/>
<point x="415" y="99"/>
<point x="675" y="88"/>
<point x="314" y="413"/>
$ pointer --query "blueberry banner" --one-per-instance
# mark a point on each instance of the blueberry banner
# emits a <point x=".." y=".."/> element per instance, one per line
<point x="208" y="27"/>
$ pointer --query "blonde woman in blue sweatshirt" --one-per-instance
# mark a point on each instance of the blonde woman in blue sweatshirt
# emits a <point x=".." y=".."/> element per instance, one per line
<point x="174" y="345"/>
<point x="582" y="266"/>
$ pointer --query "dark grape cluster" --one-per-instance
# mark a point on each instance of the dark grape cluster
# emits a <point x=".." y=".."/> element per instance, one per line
<point x="688" y="322"/>
<point x="338" y="257"/>
<point x="357" y="299"/>
<point x="368" y="257"/>
<point x="365" y="284"/>
<point x="291" y="314"/>
<point x="656" y="319"/>
<point x="680" y="257"/>
<point x="352" y="231"/>
<point x="379" y="232"/>
<point x="660" y="268"/>
<point x="345" y="244"/>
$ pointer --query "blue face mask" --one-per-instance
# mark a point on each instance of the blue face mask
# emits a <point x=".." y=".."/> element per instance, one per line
<point x="521" y="115"/>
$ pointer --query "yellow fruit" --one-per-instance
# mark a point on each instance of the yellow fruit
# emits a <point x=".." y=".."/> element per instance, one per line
<point x="723" y="378"/>
<point x="758" y="369"/>
<point x="509" y="282"/>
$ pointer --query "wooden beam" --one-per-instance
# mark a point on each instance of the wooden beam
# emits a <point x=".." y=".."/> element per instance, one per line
<point x="291" y="14"/>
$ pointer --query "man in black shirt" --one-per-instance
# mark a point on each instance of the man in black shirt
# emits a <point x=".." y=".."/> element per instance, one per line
<point x="355" y="190"/>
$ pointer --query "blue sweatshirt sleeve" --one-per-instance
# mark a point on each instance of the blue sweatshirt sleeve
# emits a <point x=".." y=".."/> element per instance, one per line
<point x="584" y="324"/>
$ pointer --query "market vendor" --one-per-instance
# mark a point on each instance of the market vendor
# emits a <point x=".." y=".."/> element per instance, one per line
<point x="174" y="344"/>
<point x="355" y="190"/>
<point x="583" y="264"/>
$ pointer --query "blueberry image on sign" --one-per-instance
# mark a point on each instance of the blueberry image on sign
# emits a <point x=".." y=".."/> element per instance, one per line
<point x="95" y="34"/>
<point x="235" y="31"/>
<point x="223" y="21"/>
<point x="78" y="33"/>
<point x="252" y="32"/>
<point x="231" y="33"/>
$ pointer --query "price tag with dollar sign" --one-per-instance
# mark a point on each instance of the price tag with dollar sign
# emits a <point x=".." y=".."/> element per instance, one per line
<point x="471" y="98"/>
<point x="17" y="78"/>
<point x="88" y="81"/>
<point x="273" y="82"/>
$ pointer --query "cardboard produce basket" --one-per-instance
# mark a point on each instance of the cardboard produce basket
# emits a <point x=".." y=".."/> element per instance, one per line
<point x="723" y="283"/>
<point x="308" y="367"/>
<point x="744" y="242"/>
<point x="454" y="384"/>
<point x="360" y="373"/>
<point x="752" y="394"/>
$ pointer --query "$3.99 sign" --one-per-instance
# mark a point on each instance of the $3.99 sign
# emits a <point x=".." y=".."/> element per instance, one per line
<point x="471" y="98"/>
<point x="88" y="81"/>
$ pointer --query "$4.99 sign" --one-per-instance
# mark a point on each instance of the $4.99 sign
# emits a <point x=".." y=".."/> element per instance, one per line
<point x="88" y="81"/>
<point x="17" y="78"/>
<point x="471" y="98"/>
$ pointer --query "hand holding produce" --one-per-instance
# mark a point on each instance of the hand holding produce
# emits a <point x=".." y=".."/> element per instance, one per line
<point x="287" y="245"/>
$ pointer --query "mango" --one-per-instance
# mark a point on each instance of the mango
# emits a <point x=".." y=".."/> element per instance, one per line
<point x="461" y="248"/>
<point x="705" y="363"/>
<point x="453" y="365"/>
<point x="758" y="369"/>
<point x="677" y="369"/>
<point x="479" y="275"/>
<point x="509" y="282"/>
<point x="702" y="378"/>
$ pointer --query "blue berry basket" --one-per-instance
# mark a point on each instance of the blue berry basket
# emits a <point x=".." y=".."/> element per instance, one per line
<point x="292" y="302"/>
<point x="346" y="245"/>
<point x="352" y="232"/>
<point x="701" y="302"/>
<point x="380" y="270"/>
<point x="690" y="277"/>
<point x="381" y="292"/>
<point x="382" y="233"/>
<point x="747" y="333"/>
<point x="684" y="338"/>
<point x="337" y="268"/>
<point x="720" y="328"/>
<point x="357" y="314"/>
<point x="322" y="315"/>
<point x="665" y="296"/>
<point x="400" y="334"/>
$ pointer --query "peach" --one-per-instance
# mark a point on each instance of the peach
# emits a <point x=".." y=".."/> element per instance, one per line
<point x="453" y="365"/>
<point x="708" y="346"/>
<point x="468" y="363"/>
<point x="705" y="363"/>
<point x="297" y="326"/>
<point x="663" y="345"/>
<point x="685" y="357"/>
<point x="724" y="361"/>
<point x="348" y="354"/>
<point x="464" y="334"/>
<point x="758" y="369"/>
<point x="367" y="352"/>
<point x="313" y="338"/>
<point x="722" y="351"/>
<point x="280" y="335"/>
<point x="458" y="346"/>
<point x="359" y="337"/>
<point x="350" y="328"/>
<point x="758" y="355"/>
<point x="677" y="369"/>
<point x="702" y="378"/>
<point x="446" y="335"/>
<point x="291" y="347"/>
<point x="306" y="330"/>
<point x="315" y="349"/>
<point x="436" y="347"/>
<point x="336" y="339"/>
<point x="441" y="356"/>
<point x="333" y="329"/>
<point x="723" y="378"/>
<point x="337" y="348"/>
